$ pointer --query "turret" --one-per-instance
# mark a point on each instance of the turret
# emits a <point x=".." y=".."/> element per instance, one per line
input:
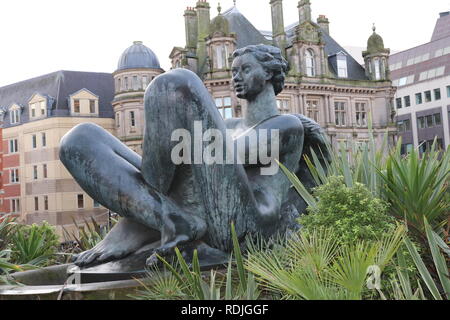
<point x="376" y="58"/>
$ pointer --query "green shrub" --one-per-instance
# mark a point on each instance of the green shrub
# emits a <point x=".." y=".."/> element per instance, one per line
<point x="34" y="244"/>
<point x="352" y="212"/>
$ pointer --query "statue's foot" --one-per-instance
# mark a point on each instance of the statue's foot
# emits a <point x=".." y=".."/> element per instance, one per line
<point x="208" y="256"/>
<point x="125" y="238"/>
<point x="166" y="250"/>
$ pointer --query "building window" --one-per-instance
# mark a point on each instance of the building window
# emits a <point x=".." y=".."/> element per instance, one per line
<point x="35" y="172"/>
<point x="43" y="107"/>
<point x="135" y="83"/>
<point x="76" y="106"/>
<point x="144" y="82"/>
<point x="132" y="119"/>
<point x="119" y="85"/>
<point x="361" y="114"/>
<point x="13" y="146"/>
<point x="283" y="106"/>
<point x="377" y="69"/>
<point x="44" y="171"/>
<point x="15" y="116"/>
<point x="221" y="57"/>
<point x="223" y="104"/>
<point x="312" y="110"/>
<point x="126" y="83"/>
<point x="429" y="121"/>
<point x="14" y="175"/>
<point x="117" y="119"/>
<point x="36" y="203"/>
<point x="448" y="91"/>
<point x="339" y="112"/>
<point x="406" y="148"/>
<point x="419" y="98"/>
<point x="46" y="203"/>
<point x="398" y="103"/>
<point x="96" y="204"/>
<point x="437" y="94"/>
<point x="92" y="106"/>
<point x="427" y="96"/>
<point x="33" y="110"/>
<point x="34" y="141"/>
<point x="404" y="125"/>
<point x="15" y="205"/>
<point x="80" y="201"/>
<point x="407" y="101"/>
<point x="310" y="63"/>
<point x="44" y="139"/>
<point x="342" y="66"/>
<point x="437" y="119"/>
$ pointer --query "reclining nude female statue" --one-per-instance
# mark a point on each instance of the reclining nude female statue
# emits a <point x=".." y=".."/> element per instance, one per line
<point x="192" y="203"/>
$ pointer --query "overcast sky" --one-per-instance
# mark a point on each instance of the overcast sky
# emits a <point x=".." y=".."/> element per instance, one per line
<point x="43" y="36"/>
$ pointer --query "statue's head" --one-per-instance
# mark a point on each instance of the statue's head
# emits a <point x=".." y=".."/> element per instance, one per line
<point x="256" y="65"/>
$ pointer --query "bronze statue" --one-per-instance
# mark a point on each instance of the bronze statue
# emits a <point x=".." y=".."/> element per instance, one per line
<point x="194" y="203"/>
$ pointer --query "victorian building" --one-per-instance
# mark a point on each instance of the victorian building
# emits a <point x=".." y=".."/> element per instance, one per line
<point x="36" y="113"/>
<point x="324" y="83"/>
<point x="422" y="102"/>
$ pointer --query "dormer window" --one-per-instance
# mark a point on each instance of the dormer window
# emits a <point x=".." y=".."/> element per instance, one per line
<point x="310" y="63"/>
<point x="76" y="106"/>
<point x="342" y="65"/>
<point x="43" y="108"/>
<point x="14" y="113"/>
<point x="38" y="105"/>
<point x="33" y="110"/>
<point x="84" y="103"/>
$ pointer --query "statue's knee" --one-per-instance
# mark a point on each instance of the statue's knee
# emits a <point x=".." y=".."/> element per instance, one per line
<point x="78" y="138"/>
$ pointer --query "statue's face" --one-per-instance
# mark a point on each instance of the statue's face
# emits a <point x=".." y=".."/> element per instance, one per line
<point x="249" y="76"/>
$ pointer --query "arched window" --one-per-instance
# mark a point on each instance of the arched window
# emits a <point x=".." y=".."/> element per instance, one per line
<point x="310" y="63"/>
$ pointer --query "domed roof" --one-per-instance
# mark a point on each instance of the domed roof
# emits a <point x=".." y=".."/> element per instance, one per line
<point x="138" y="56"/>
<point x="375" y="43"/>
<point x="220" y="25"/>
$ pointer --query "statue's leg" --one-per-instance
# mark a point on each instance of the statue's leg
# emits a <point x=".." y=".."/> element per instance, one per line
<point x="173" y="101"/>
<point x="110" y="173"/>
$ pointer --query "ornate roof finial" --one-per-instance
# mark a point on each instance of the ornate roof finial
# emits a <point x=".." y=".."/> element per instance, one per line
<point x="374" y="28"/>
<point x="219" y="8"/>
<point x="234" y="1"/>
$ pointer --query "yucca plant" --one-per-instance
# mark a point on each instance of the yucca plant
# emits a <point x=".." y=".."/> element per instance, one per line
<point x="312" y="266"/>
<point x="417" y="187"/>
<point x="34" y="245"/>
<point x="7" y="227"/>
<point x="186" y="281"/>
<point x="89" y="234"/>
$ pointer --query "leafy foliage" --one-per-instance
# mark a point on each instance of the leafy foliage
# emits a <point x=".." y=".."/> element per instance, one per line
<point x="89" y="234"/>
<point x="189" y="282"/>
<point x="418" y="187"/>
<point x="313" y="266"/>
<point x="352" y="212"/>
<point x="34" y="244"/>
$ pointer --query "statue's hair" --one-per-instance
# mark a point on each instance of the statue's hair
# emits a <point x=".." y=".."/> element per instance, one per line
<point x="270" y="58"/>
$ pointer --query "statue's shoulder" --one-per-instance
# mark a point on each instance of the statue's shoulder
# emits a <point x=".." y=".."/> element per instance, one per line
<point x="233" y="123"/>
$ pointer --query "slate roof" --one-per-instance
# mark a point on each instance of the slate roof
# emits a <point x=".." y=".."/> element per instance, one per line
<point x="58" y="86"/>
<point x="247" y="34"/>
